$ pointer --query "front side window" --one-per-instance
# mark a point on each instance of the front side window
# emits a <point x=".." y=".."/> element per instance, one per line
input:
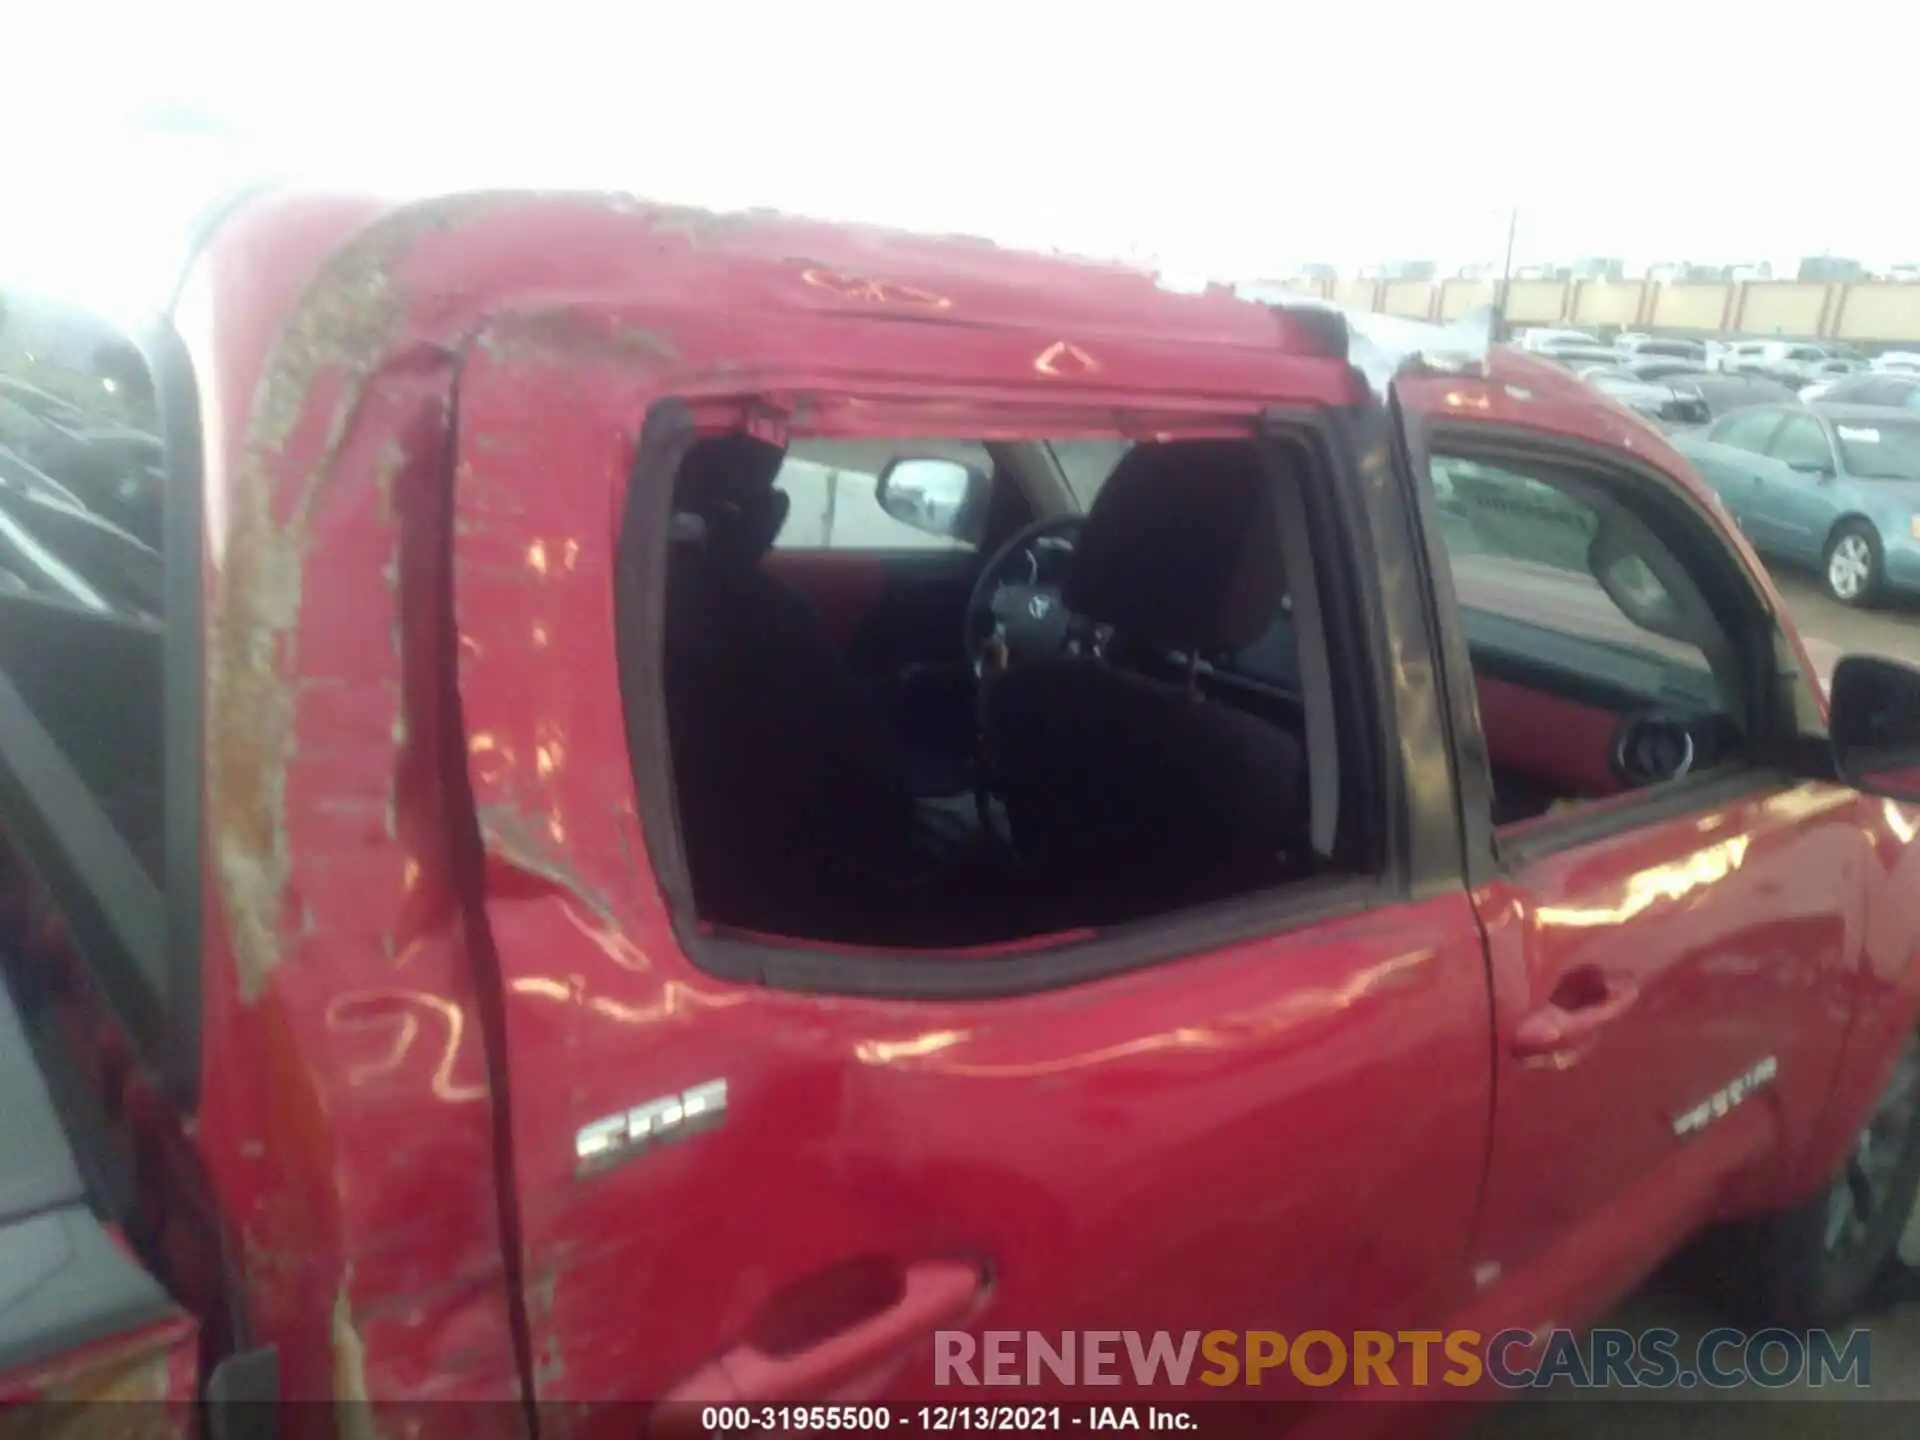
<point x="1599" y="666"/>
<point x="1802" y="443"/>
<point x="1749" y="430"/>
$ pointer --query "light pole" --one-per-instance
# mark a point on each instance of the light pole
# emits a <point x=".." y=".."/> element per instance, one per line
<point x="1506" y="275"/>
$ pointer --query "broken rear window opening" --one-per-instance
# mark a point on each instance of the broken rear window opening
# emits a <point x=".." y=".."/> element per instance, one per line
<point x="1049" y="687"/>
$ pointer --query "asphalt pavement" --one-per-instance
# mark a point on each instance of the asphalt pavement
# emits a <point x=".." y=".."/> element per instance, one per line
<point x="1830" y="630"/>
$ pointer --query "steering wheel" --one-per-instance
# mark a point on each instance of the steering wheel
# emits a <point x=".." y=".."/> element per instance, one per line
<point x="1010" y="598"/>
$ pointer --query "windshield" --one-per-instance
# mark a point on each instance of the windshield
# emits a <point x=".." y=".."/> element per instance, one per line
<point x="1881" y="451"/>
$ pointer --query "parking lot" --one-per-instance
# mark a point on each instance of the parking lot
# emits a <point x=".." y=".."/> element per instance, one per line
<point x="1829" y="626"/>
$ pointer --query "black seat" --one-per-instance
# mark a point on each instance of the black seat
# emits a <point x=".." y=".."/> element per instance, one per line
<point x="792" y="792"/>
<point x="789" y="785"/>
<point x="1127" y="794"/>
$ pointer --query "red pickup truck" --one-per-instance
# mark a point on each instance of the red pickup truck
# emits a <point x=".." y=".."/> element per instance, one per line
<point x="608" y="804"/>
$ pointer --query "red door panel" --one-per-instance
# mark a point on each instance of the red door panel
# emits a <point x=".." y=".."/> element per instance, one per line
<point x="1672" y="960"/>
<point x="1288" y="1133"/>
<point x="1545" y="737"/>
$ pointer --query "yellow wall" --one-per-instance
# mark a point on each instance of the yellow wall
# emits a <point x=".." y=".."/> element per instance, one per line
<point x="1878" y="312"/>
<point x="1690" y="307"/>
<point x="1874" y="312"/>
<point x="1461" y="297"/>
<point x="1604" y="302"/>
<point x="1781" y="307"/>
<point x="1355" y="294"/>
<point x="1408" y="297"/>
<point x="1536" y="302"/>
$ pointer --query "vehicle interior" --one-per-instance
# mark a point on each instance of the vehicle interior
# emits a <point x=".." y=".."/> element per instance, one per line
<point x="1008" y="735"/>
<point x="82" y="814"/>
<point x="942" y="693"/>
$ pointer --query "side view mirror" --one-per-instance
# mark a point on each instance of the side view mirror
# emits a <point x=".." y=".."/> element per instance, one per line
<point x="1874" y="722"/>
<point x="941" y="497"/>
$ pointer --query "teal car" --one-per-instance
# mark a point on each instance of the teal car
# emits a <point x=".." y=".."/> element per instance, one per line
<point x="1828" y="485"/>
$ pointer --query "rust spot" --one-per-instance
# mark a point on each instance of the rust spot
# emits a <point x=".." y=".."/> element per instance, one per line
<point x="511" y="837"/>
<point x="579" y="335"/>
<point x="343" y="328"/>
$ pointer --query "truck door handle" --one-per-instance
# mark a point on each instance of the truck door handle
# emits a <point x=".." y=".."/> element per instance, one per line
<point x="933" y="1293"/>
<point x="1585" y="1000"/>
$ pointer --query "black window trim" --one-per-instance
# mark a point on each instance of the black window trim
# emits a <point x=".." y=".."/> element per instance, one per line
<point x="1406" y="866"/>
<point x="1782" y="757"/>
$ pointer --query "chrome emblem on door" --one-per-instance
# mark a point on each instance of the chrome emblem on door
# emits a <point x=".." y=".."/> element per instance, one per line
<point x="615" y="1138"/>
<point x="1725" y="1100"/>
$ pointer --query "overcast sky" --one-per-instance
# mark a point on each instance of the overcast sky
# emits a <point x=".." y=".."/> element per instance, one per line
<point x="1233" y="137"/>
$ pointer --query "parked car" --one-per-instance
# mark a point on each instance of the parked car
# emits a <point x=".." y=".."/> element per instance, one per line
<point x="560" y="985"/>
<point x="1546" y="341"/>
<point x="1794" y="363"/>
<point x="1707" y="392"/>
<point x="1664" y="367"/>
<point x="1874" y="388"/>
<point x="1904" y="362"/>
<point x="1726" y="393"/>
<point x="1656" y="399"/>
<point x="1637" y="345"/>
<point x="1576" y="358"/>
<point x="1833" y="485"/>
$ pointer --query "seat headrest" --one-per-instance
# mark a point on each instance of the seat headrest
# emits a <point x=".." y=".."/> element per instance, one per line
<point x="727" y="482"/>
<point x="1181" y="549"/>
